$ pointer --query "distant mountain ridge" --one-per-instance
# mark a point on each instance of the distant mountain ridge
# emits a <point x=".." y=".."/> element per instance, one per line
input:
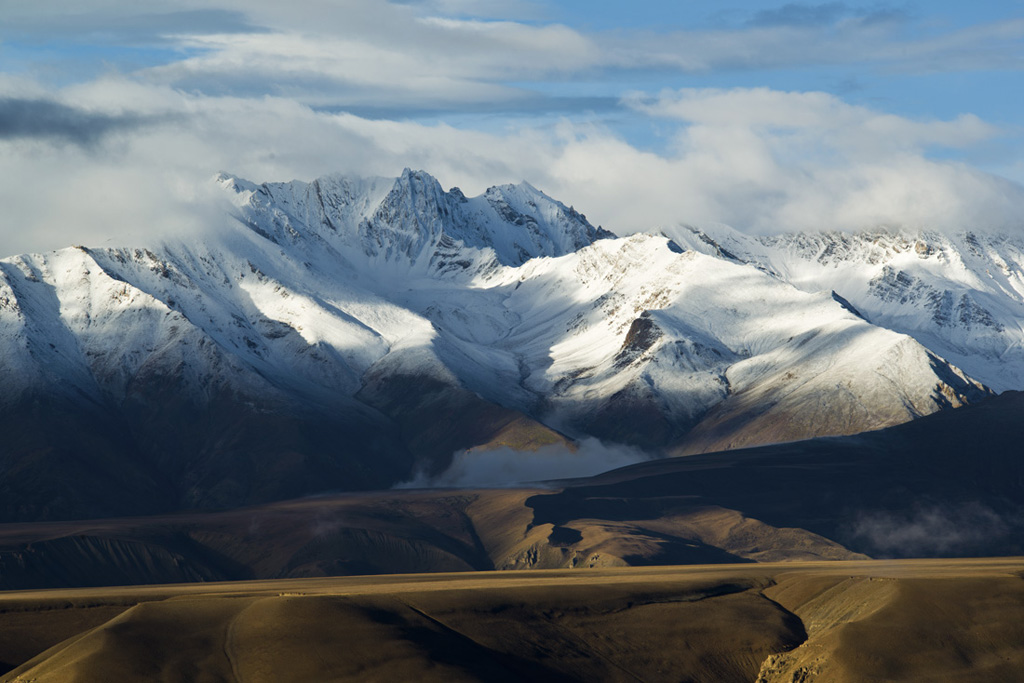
<point x="345" y="333"/>
<point x="961" y="294"/>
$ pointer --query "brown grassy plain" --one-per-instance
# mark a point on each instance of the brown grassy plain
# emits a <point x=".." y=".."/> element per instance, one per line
<point x="934" y="620"/>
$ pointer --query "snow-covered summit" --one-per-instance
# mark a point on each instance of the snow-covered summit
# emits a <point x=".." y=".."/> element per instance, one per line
<point x="410" y="221"/>
<point x="959" y="294"/>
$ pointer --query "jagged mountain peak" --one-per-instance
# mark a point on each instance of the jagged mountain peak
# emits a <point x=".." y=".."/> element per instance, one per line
<point x="410" y="221"/>
<point x="419" y="187"/>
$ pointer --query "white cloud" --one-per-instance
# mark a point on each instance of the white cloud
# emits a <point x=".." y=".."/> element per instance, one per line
<point x="931" y="531"/>
<point x="352" y="72"/>
<point x="769" y="160"/>
<point x="759" y="160"/>
<point x="378" y="54"/>
<point x="506" y="467"/>
<point x="815" y="114"/>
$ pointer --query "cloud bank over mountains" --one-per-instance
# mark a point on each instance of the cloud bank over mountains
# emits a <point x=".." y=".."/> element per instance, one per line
<point x="121" y="160"/>
<point x="479" y="95"/>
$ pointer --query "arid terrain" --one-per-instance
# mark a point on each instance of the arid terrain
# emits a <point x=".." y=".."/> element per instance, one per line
<point x="935" y="620"/>
<point x="945" y="485"/>
<point x="740" y="566"/>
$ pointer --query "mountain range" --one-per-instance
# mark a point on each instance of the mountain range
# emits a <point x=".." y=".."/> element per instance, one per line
<point x="347" y="334"/>
<point x="959" y="294"/>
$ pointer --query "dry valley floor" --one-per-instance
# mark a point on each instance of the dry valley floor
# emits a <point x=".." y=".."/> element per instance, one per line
<point x="935" y="620"/>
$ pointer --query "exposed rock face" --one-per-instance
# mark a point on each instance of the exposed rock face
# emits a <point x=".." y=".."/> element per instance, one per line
<point x="640" y="338"/>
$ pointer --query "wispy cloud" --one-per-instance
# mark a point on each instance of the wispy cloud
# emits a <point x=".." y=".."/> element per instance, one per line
<point x="404" y="60"/>
<point x="832" y="122"/>
<point x="506" y="467"/>
<point x="932" y="531"/>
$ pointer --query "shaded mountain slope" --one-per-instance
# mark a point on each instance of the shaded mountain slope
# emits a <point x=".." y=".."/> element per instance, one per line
<point x="948" y="484"/>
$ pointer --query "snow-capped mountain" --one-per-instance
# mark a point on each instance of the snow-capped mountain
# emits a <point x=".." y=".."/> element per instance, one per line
<point x="411" y="224"/>
<point x="961" y="295"/>
<point x="343" y="333"/>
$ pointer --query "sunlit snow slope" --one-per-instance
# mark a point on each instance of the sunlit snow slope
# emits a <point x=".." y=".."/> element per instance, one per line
<point x="961" y="295"/>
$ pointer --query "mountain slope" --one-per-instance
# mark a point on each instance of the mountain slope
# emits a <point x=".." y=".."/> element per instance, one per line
<point x="346" y="333"/>
<point x="654" y="342"/>
<point x="961" y="295"/>
<point x="949" y="484"/>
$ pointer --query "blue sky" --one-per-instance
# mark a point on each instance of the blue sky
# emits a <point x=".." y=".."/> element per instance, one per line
<point x="768" y="116"/>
